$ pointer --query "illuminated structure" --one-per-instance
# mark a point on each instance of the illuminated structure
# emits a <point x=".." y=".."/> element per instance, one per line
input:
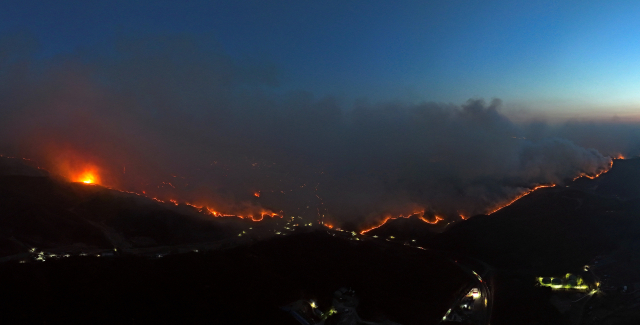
<point x="568" y="282"/>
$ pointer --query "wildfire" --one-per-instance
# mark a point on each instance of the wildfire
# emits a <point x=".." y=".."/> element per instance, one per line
<point x="87" y="177"/>
<point x="380" y="225"/>
<point x="258" y="217"/>
<point x="78" y="170"/>
<point x="600" y="172"/>
<point x="430" y="222"/>
<point x="527" y="192"/>
<point x="420" y="215"/>
<point x="89" y="174"/>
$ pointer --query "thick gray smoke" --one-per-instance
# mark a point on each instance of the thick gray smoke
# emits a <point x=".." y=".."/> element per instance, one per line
<point x="182" y="120"/>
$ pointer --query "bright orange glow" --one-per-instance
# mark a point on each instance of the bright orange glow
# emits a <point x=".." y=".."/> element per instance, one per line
<point x="380" y="225"/>
<point x="430" y="222"/>
<point x="87" y="177"/>
<point x="258" y="217"/>
<point x="599" y="173"/>
<point x="79" y="169"/>
<point x="420" y="215"/>
<point x="89" y="171"/>
<point x="525" y="193"/>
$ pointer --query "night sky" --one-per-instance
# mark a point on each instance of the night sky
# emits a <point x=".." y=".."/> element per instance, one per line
<point x="353" y="109"/>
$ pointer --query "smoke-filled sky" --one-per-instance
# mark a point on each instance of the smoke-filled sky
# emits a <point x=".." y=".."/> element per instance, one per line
<point x="348" y="109"/>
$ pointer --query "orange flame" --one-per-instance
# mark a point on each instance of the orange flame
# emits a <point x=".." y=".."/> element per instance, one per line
<point x="258" y="217"/>
<point x="380" y="225"/>
<point x="525" y="193"/>
<point x="420" y="215"/>
<point x="600" y="172"/>
<point x="438" y="218"/>
<point x="87" y="177"/>
<point x="77" y="168"/>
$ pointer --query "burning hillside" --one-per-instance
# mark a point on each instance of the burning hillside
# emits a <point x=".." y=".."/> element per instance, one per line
<point x="298" y="195"/>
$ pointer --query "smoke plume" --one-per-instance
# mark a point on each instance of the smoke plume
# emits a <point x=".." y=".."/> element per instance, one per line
<point x="183" y="120"/>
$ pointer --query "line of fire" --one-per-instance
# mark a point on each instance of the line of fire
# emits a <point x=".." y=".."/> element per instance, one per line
<point x="90" y="175"/>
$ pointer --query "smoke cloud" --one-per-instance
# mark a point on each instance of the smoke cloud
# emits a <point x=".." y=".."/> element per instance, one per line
<point x="181" y="119"/>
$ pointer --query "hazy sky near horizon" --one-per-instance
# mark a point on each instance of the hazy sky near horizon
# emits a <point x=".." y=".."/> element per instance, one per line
<point x="562" y="58"/>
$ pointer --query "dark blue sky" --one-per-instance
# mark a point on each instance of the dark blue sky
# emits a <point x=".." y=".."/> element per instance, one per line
<point x="572" y="58"/>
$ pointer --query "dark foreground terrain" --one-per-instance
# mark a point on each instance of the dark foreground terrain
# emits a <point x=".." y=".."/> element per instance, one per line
<point x="551" y="232"/>
<point x="242" y="285"/>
